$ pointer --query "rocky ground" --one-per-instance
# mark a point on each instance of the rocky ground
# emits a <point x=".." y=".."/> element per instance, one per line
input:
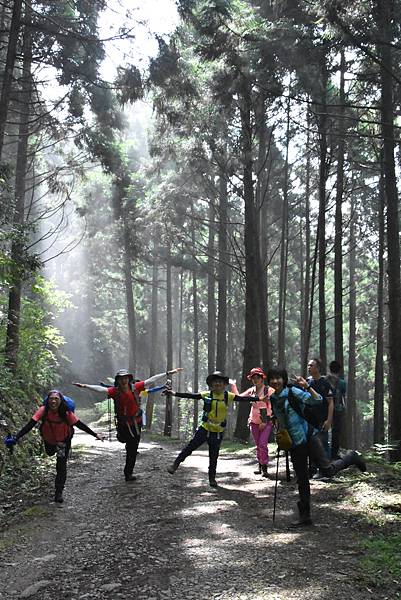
<point x="173" y="537"/>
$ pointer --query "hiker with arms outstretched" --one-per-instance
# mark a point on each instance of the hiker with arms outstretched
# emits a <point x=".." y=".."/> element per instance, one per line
<point x="56" y="429"/>
<point x="214" y="420"/>
<point x="127" y="407"/>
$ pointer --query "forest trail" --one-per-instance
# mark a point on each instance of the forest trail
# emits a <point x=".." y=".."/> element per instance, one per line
<point x="173" y="537"/>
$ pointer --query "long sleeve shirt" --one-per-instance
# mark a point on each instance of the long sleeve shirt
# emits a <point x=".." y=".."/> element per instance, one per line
<point x="215" y="407"/>
<point x="298" y="428"/>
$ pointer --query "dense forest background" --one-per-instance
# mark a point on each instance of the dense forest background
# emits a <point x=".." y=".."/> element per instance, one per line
<point x="231" y="203"/>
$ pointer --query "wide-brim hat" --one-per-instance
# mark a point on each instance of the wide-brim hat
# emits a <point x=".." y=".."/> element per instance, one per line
<point x="122" y="373"/>
<point x="256" y="371"/>
<point x="217" y="375"/>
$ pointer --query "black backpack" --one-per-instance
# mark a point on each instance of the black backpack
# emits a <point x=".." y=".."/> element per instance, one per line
<point x="313" y="414"/>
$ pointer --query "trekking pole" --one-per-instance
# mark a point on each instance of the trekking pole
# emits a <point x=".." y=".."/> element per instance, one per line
<point x="275" y="486"/>
<point x="287" y="466"/>
<point x="109" y="414"/>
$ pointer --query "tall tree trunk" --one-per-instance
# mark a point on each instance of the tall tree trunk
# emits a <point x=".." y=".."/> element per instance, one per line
<point x="252" y="343"/>
<point x="129" y="296"/>
<point x="221" y="339"/>
<point x="321" y="226"/>
<point x="195" y="311"/>
<point x="211" y="302"/>
<point x="15" y="26"/>
<point x="154" y="355"/>
<point x="168" y="420"/>
<point x="284" y="248"/>
<point x="262" y="207"/>
<point x="385" y="24"/>
<point x="351" y="395"/>
<point x="17" y="246"/>
<point x="306" y="299"/>
<point x="180" y="336"/>
<point x="378" y="430"/>
<point x="338" y="237"/>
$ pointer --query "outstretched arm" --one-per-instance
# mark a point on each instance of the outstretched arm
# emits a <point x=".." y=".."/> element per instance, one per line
<point x="187" y="395"/>
<point x="25" y="429"/>
<point x="243" y="398"/>
<point x="87" y="429"/>
<point x="159" y="376"/>
<point x="95" y="388"/>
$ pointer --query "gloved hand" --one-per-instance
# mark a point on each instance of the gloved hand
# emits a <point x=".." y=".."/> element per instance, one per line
<point x="10" y="442"/>
<point x="283" y="439"/>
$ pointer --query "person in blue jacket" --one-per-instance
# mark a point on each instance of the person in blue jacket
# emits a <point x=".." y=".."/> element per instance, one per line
<point x="289" y="404"/>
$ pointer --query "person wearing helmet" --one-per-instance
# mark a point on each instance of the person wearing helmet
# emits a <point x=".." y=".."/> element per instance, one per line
<point x="127" y="408"/>
<point x="214" y="420"/>
<point x="260" y="416"/>
<point x="57" y="428"/>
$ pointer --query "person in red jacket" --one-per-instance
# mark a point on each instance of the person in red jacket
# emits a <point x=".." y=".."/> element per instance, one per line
<point x="56" y="429"/>
<point x="127" y="408"/>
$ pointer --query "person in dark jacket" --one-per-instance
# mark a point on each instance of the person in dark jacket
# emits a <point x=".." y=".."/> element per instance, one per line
<point x="56" y="429"/>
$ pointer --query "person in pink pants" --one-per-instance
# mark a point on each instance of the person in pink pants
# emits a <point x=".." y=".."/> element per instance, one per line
<point x="260" y="416"/>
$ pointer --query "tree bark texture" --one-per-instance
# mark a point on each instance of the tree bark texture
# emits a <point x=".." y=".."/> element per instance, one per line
<point x="221" y="339"/>
<point x="153" y="363"/>
<point x="351" y="412"/>
<point x="284" y="249"/>
<point x="338" y="236"/>
<point x="385" y="16"/>
<point x="378" y="414"/>
<point x="15" y="26"/>
<point x="252" y="341"/>
<point x="211" y="284"/>
<point x="168" y="419"/>
<point x="18" y="243"/>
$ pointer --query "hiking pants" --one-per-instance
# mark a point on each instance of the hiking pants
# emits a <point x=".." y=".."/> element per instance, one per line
<point x="201" y="436"/>
<point x="131" y="448"/>
<point x="336" y="433"/>
<point x="261" y="437"/>
<point x="130" y="435"/>
<point x="61" y="463"/>
<point x="299" y="458"/>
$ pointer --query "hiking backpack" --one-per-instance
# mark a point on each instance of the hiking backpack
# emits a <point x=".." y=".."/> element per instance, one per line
<point x="207" y="406"/>
<point x="313" y="414"/>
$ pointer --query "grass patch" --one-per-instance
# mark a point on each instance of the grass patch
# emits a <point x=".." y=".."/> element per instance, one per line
<point x="231" y="447"/>
<point x="34" y="511"/>
<point x="382" y="562"/>
<point x="381" y="460"/>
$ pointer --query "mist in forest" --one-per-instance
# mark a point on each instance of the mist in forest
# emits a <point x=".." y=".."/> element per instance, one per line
<point x="224" y="200"/>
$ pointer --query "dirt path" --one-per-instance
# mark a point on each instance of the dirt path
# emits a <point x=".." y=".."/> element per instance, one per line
<point x="174" y="537"/>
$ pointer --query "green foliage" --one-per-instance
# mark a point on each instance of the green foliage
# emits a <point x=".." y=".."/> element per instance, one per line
<point x="382" y="562"/>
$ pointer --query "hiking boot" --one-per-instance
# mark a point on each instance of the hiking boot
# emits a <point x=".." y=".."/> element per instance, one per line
<point x="213" y="483"/>
<point x="264" y="471"/>
<point x="58" y="496"/>
<point x="258" y="470"/>
<point x="358" y="461"/>
<point x="173" y="467"/>
<point x="130" y="477"/>
<point x="351" y="458"/>
<point x="304" y="519"/>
